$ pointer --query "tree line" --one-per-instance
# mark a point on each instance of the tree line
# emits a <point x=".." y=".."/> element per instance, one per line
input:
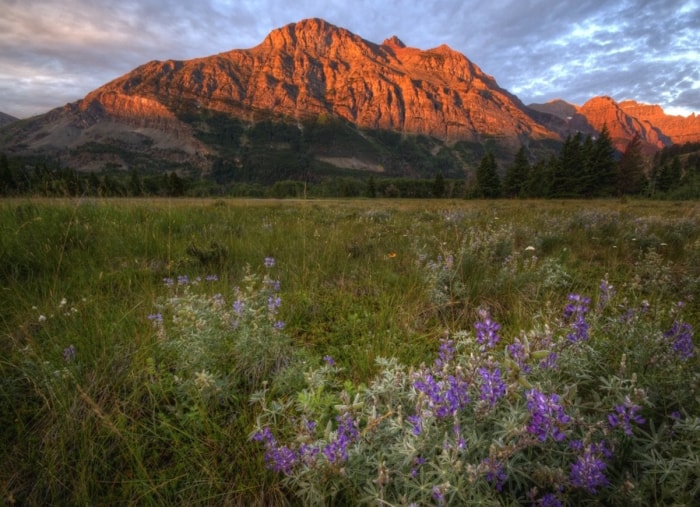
<point x="585" y="167"/>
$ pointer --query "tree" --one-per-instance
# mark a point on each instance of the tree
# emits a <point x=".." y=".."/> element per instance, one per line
<point x="135" y="184"/>
<point x="371" y="187"/>
<point x="7" y="181"/>
<point x="439" y="186"/>
<point x="670" y="175"/>
<point x="631" y="178"/>
<point x="487" y="181"/>
<point x="604" y="164"/>
<point x="517" y="174"/>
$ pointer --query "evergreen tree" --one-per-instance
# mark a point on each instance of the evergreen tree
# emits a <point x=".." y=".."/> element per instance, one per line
<point x="604" y="165"/>
<point x="7" y="180"/>
<point x="587" y="176"/>
<point x="516" y="178"/>
<point x="371" y="187"/>
<point x="487" y="181"/>
<point x="439" y="186"/>
<point x="631" y="178"/>
<point x="567" y="174"/>
<point x="670" y="175"/>
<point x="135" y="184"/>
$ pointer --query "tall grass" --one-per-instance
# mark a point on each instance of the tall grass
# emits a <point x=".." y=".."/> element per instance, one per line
<point x="360" y="280"/>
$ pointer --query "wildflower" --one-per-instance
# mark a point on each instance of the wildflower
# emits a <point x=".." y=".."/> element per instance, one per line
<point x="278" y="325"/>
<point x="575" y="312"/>
<point x="168" y="281"/>
<point x="494" y="473"/>
<point x="69" y="353"/>
<point x="269" y="262"/>
<point x="546" y="416"/>
<point x="607" y="290"/>
<point x="439" y="494"/>
<point x="530" y="248"/>
<point x="444" y="397"/>
<point x="492" y="387"/>
<point x="624" y="414"/>
<point x="183" y="280"/>
<point x="487" y="331"/>
<point x="446" y="353"/>
<point x="156" y="317"/>
<point x="329" y="360"/>
<point x="42" y="318"/>
<point x="682" y="335"/>
<point x="517" y="353"/>
<point x="588" y="471"/>
<point x="211" y="278"/>
<point x="391" y="255"/>
<point x="548" y="500"/>
<point x="273" y="303"/>
<point x="337" y="449"/>
<point x="416" y="423"/>
<point x="238" y="307"/>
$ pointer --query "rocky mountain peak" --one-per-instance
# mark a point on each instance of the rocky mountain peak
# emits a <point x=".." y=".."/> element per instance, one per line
<point x="394" y="42"/>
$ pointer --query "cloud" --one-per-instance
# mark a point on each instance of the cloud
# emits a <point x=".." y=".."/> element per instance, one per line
<point x="56" y="52"/>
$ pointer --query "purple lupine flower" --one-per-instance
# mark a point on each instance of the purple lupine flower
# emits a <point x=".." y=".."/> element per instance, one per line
<point x="274" y="285"/>
<point x="156" y="317"/>
<point x="416" y="423"/>
<point x="492" y="387"/>
<point x="487" y="331"/>
<point x="682" y="335"/>
<point x="269" y="262"/>
<point x="446" y="353"/>
<point x="69" y="353"/>
<point x="168" y="281"/>
<point x="494" y="473"/>
<point x="438" y="495"/>
<point x="418" y="461"/>
<point x="546" y="416"/>
<point x="607" y="291"/>
<point x="211" y="278"/>
<point x="548" y="500"/>
<point x="336" y="450"/>
<point x="273" y="303"/>
<point x="329" y="360"/>
<point x="625" y="414"/>
<point x="549" y="362"/>
<point x="279" y="325"/>
<point x="517" y="352"/>
<point x="588" y="471"/>
<point x="277" y="458"/>
<point x="444" y="397"/>
<point x="575" y="312"/>
<point x="238" y="307"/>
<point x="183" y="280"/>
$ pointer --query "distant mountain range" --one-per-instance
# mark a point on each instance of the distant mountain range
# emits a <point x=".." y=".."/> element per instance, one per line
<point x="6" y="119"/>
<point x="199" y="113"/>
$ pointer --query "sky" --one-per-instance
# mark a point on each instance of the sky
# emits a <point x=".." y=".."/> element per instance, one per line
<point x="56" y="51"/>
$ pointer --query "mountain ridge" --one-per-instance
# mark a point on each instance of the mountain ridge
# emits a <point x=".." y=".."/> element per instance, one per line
<point x="309" y="70"/>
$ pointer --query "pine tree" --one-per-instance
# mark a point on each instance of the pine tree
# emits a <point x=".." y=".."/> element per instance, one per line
<point x="487" y="181"/>
<point x="7" y="181"/>
<point x="439" y="186"/>
<point x="604" y="164"/>
<point x="515" y="181"/>
<point x="631" y="178"/>
<point x="371" y="187"/>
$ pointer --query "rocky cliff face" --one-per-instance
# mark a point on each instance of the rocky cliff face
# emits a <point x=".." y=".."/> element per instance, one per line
<point x="677" y="129"/>
<point x="311" y="67"/>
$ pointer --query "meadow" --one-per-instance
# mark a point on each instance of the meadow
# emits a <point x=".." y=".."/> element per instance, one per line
<point x="343" y="352"/>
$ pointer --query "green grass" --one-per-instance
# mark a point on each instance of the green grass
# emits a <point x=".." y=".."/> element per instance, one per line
<point x="356" y="284"/>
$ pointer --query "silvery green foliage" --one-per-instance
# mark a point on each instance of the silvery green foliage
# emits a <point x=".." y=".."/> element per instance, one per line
<point x="217" y="343"/>
<point x="584" y="409"/>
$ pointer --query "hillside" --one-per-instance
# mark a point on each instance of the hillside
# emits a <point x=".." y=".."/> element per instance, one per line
<point x="314" y="98"/>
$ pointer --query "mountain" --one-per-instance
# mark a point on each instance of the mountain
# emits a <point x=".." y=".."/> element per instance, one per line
<point x="313" y="94"/>
<point x="6" y="119"/>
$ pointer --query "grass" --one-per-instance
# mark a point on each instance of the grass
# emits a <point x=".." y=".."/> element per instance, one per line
<point x="361" y="279"/>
